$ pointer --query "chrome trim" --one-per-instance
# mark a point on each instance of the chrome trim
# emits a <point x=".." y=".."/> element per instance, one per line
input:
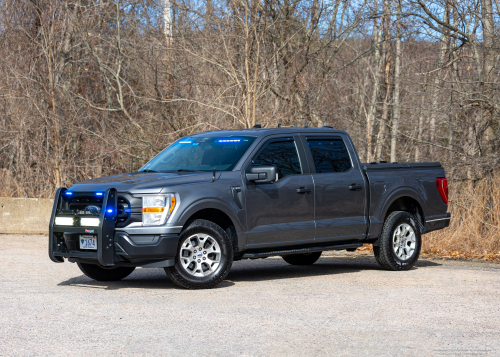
<point x="438" y="219"/>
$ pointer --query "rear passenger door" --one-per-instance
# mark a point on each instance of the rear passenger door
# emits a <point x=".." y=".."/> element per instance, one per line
<point x="340" y="189"/>
<point x="281" y="213"/>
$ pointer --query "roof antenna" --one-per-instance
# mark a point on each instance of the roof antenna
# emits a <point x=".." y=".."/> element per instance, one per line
<point x="295" y="124"/>
<point x="305" y="125"/>
<point x="279" y="125"/>
<point x="213" y="175"/>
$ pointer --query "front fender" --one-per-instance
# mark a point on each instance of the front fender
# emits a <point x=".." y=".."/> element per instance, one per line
<point x="212" y="203"/>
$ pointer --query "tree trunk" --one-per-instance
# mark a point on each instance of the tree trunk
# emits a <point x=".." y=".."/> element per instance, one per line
<point x="385" y="112"/>
<point x="373" y="102"/>
<point x="420" y="129"/>
<point x="397" y="65"/>
<point x="435" y="96"/>
<point x="385" y="109"/>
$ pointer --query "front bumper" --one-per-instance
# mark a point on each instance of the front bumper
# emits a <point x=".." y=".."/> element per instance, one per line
<point x="137" y="246"/>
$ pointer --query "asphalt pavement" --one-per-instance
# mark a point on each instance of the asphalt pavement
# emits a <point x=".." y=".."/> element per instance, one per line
<point x="344" y="305"/>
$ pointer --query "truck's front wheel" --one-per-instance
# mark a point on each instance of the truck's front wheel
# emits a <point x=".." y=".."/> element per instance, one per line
<point x="100" y="273"/>
<point x="204" y="256"/>
<point x="399" y="243"/>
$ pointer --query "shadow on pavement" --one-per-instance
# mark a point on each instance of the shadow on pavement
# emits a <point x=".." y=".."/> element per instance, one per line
<point x="427" y="263"/>
<point x="274" y="269"/>
<point x="134" y="281"/>
<point x="245" y="270"/>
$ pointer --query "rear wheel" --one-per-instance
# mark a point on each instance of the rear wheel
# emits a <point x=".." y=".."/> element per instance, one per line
<point x="302" y="259"/>
<point x="100" y="273"/>
<point x="399" y="243"/>
<point x="204" y="256"/>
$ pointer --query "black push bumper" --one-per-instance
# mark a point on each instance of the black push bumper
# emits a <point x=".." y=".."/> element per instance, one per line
<point x="115" y="247"/>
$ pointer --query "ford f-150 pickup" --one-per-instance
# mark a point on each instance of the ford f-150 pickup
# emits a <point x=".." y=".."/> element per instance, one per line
<point x="216" y="197"/>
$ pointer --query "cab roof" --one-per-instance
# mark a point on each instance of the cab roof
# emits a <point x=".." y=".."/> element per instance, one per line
<point x="266" y="131"/>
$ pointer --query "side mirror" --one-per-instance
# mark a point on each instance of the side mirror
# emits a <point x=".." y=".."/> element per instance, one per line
<point x="262" y="174"/>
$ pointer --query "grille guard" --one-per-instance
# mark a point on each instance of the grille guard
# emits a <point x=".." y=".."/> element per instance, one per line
<point x="105" y="231"/>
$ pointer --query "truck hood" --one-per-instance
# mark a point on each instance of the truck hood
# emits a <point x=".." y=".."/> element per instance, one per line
<point x="141" y="182"/>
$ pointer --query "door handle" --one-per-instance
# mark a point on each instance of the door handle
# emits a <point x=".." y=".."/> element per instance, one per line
<point x="354" y="187"/>
<point x="303" y="190"/>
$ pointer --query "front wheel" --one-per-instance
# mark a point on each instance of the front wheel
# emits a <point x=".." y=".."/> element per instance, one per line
<point x="302" y="259"/>
<point x="100" y="273"/>
<point x="400" y="242"/>
<point x="204" y="256"/>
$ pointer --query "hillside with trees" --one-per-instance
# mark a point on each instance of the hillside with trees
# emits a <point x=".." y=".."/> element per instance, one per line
<point x="89" y="88"/>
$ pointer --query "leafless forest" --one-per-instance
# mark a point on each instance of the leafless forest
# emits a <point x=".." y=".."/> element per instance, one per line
<point x="88" y="86"/>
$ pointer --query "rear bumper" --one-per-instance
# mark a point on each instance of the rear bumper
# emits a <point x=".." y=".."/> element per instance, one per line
<point x="136" y="246"/>
<point x="437" y="222"/>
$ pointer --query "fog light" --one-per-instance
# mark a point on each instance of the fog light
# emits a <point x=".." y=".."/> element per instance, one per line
<point x="64" y="221"/>
<point x="89" y="222"/>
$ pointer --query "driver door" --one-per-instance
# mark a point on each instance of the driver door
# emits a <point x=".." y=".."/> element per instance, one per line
<point x="281" y="213"/>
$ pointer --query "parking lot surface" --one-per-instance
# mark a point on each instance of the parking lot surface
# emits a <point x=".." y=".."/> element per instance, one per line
<point x="342" y="305"/>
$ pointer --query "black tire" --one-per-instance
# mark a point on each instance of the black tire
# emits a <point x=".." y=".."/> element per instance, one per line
<point x="100" y="273"/>
<point x="385" y="254"/>
<point x="302" y="259"/>
<point x="183" y="277"/>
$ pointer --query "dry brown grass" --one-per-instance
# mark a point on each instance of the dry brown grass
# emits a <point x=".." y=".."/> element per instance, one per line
<point x="475" y="225"/>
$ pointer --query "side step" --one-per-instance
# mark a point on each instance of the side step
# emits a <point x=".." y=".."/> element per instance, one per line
<point x="300" y="250"/>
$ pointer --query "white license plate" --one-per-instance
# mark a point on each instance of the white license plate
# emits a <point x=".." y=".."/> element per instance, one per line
<point x="88" y="242"/>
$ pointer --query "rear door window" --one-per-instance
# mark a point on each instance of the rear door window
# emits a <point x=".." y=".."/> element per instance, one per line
<point x="281" y="153"/>
<point x="329" y="155"/>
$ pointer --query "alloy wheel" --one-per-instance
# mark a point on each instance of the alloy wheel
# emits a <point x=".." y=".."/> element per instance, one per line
<point x="200" y="255"/>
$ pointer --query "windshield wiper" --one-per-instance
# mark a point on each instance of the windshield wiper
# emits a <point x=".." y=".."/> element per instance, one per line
<point x="185" y="170"/>
<point x="149" y="171"/>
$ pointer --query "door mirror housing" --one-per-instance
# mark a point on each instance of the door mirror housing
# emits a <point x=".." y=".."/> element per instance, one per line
<point x="262" y="174"/>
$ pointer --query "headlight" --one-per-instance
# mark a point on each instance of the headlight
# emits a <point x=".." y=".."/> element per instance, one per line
<point x="89" y="222"/>
<point x="157" y="209"/>
<point x="64" y="221"/>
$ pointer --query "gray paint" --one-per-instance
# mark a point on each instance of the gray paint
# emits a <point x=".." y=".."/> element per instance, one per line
<point x="275" y="215"/>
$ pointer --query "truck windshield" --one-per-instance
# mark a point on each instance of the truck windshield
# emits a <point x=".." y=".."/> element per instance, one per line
<point x="200" y="154"/>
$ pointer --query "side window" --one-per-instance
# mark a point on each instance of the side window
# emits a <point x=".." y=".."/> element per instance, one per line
<point x="329" y="154"/>
<point x="282" y="154"/>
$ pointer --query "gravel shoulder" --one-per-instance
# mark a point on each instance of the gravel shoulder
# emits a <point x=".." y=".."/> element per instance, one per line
<point x="342" y="305"/>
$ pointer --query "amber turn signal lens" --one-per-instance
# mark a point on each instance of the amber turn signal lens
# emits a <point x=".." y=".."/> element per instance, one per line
<point x="172" y="204"/>
<point x="153" y="209"/>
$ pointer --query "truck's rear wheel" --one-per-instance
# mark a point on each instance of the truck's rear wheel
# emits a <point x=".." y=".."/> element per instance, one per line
<point x="400" y="242"/>
<point x="302" y="259"/>
<point x="100" y="273"/>
<point x="204" y="256"/>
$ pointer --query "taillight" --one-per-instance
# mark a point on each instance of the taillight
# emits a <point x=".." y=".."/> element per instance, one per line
<point x="442" y="185"/>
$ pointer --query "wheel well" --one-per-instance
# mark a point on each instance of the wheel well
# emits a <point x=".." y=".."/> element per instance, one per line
<point x="221" y="219"/>
<point x="407" y="204"/>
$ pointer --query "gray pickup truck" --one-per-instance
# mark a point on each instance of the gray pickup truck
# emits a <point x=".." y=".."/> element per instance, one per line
<point x="215" y="197"/>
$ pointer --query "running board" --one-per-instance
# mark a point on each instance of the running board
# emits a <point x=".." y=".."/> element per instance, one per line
<point x="300" y="250"/>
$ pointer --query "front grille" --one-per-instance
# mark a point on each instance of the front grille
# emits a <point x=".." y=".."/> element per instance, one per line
<point x="129" y="208"/>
